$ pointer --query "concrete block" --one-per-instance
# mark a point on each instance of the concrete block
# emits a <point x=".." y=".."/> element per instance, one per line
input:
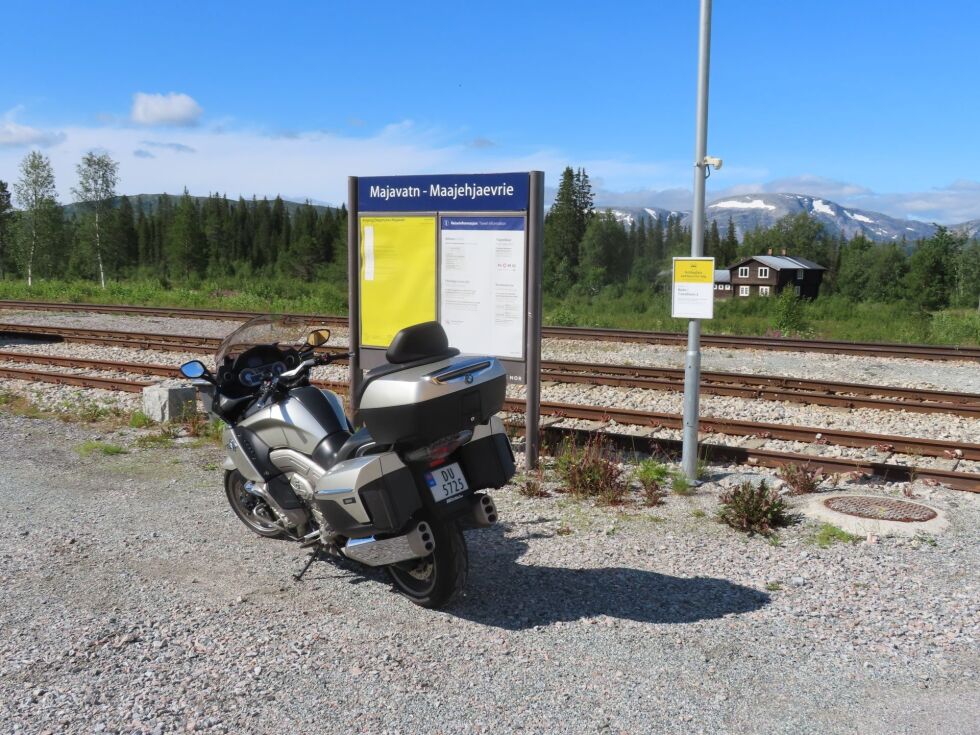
<point x="169" y="401"/>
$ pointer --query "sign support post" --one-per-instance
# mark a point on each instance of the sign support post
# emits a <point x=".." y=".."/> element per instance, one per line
<point x="532" y="380"/>
<point x="692" y="364"/>
<point x="353" y="294"/>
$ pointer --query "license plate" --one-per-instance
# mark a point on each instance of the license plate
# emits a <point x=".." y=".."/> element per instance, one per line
<point x="446" y="482"/>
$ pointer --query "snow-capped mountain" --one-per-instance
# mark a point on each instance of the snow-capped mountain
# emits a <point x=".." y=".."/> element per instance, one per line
<point x="764" y="210"/>
<point x="629" y="215"/>
<point x="751" y="211"/>
<point x="970" y="229"/>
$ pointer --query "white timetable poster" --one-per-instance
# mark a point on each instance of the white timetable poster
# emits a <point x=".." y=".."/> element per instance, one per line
<point x="481" y="274"/>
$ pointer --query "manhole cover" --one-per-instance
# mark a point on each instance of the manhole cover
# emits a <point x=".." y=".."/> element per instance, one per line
<point x="881" y="509"/>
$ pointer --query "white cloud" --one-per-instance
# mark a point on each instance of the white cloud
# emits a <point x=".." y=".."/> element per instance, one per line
<point x="15" y="135"/>
<point x="315" y="165"/>
<point x="174" y="108"/>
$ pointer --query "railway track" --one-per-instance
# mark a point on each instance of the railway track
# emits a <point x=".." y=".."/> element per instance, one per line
<point x="772" y="388"/>
<point x="897" y="350"/>
<point x="886" y="444"/>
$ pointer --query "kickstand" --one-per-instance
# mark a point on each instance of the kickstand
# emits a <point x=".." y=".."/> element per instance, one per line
<point x="314" y="555"/>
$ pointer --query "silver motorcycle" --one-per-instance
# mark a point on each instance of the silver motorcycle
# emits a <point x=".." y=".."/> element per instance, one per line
<point x="395" y="493"/>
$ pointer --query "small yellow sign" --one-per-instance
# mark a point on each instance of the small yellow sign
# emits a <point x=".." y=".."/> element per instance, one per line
<point x="398" y="275"/>
<point x="694" y="270"/>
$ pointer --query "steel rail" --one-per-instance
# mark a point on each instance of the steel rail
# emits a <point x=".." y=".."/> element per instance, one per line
<point x="957" y="480"/>
<point x="879" y="349"/>
<point x="827" y="398"/>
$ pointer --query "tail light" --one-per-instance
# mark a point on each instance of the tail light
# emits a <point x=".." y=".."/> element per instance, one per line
<point x="435" y="454"/>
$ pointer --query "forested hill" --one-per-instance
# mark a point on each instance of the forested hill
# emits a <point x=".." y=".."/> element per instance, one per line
<point x="149" y="203"/>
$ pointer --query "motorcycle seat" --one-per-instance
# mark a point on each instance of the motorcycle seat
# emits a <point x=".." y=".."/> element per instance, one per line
<point x="359" y="439"/>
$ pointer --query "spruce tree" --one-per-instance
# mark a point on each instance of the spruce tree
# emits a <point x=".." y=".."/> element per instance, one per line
<point x="6" y="226"/>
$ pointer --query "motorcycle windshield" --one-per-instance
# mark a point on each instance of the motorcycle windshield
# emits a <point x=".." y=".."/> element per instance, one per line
<point x="263" y="330"/>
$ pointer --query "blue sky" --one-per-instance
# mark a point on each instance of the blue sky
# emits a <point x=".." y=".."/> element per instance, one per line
<point x="871" y="104"/>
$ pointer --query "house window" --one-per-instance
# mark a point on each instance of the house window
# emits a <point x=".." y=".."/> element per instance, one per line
<point x="763" y="290"/>
<point x="743" y="290"/>
<point x="728" y="287"/>
<point x="798" y="290"/>
<point x="763" y="273"/>
<point x="743" y="272"/>
<point x="799" y="275"/>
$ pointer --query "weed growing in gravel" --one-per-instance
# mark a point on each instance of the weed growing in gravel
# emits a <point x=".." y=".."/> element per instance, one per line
<point x="92" y="412"/>
<point x="754" y="509"/>
<point x="533" y="485"/>
<point x="590" y="471"/>
<point x="773" y="586"/>
<point x="698" y="513"/>
<point x="679" y="484"/>
<point x="139" y="420"/>
<point x="87" y="448"/>
<point x="801" y="479"/>
<point x="155" y="441"/>
<point x="653" y="476"/>
<point x="828" y="535"/>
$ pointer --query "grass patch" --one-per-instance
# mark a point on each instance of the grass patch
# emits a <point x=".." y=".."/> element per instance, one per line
<point x="20" y="406"/>
<point x="139" y="420"/>
<point x="828" y="534"/>
<point x="773" y="586"/>
<point x="754" y="509"/>
<point x="91" y="447"/>
<point x="827" y="317"/>
<point x="698" y="513"/>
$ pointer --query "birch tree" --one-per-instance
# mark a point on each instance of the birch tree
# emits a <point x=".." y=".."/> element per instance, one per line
<point x="98" y="175"/>
<point x="37" y="198"/>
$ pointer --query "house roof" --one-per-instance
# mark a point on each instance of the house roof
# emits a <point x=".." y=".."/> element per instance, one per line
<point x="723" y="276"/>
<point x="779" y="262"/>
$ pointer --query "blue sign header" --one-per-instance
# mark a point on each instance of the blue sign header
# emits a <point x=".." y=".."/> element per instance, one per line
<point x="482" y="223"/>
<point x="444" y="193"/>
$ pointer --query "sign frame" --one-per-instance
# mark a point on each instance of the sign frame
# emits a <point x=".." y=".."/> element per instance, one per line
<point x="693" y="297"/>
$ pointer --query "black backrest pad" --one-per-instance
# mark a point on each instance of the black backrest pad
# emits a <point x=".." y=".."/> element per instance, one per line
<point x="420" y="341"/>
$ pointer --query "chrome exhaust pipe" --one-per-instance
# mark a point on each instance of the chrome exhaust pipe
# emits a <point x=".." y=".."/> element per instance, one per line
<point x="484" y="511"/>
<point x="290" y="518"/>
<point x="415" y="544"/>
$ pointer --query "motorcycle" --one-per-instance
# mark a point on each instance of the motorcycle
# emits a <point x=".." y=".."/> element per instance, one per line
<point x="395" y="493"/>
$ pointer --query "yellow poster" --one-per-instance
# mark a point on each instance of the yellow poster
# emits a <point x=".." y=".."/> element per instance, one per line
<point x="694" y="270"/>
<point x="398" y="275"/>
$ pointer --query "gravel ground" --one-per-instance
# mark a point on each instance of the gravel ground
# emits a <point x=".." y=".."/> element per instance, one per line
<point x="938" y="375"/>
<point x="134" y="601"/>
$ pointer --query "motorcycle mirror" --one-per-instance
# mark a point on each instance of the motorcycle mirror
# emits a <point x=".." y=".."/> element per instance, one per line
<point x="318" y="337"/>
<point x="193" y="369"/>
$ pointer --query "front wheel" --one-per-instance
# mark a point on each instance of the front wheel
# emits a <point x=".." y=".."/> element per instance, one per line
<point x="436" y="579"/>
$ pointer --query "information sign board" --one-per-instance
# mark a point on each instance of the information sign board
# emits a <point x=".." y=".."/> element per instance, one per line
<point x="461" y="249"/>
<point x="693" y="291"/>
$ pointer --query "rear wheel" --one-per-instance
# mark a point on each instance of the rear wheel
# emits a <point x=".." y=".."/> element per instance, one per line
<point x="436" y="579"/>
<point x="251" y="510"/>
